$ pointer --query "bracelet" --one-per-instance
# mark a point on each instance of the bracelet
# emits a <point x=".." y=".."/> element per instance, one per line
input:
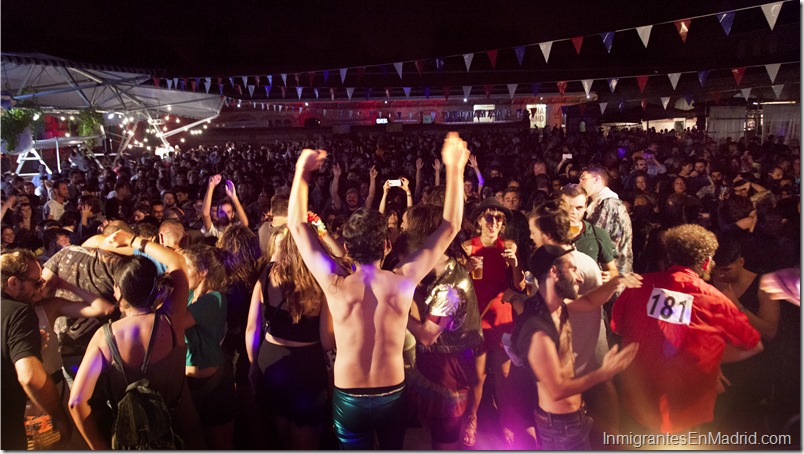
<point x="131" y="243"/>
<point x="142" y="245"/>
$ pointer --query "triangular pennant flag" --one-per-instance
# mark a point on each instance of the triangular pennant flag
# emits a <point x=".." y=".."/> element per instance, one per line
<point x="577" y="42"/>
<point x="487" y="90"/>
<point x="315" y="91"/>
<point x="398" y="67"/>
<point x="603" y="107"/>
<point x="466" y="90"/>
<point x="176" y="82"/>
<point x="545" y="47"/>
<point x="674" y="79"/>
<point x="773" y="70"/>
<point x="562" y="86"/>
<point x="746" y="93"/>
<point x="467" y="60"/>
<point x="270" y="79"/>
<point x="621" y="106"/>
<point x="665" y="101"/>
<point x="427" y="92"/>
<point x="349" y="92"/>
<point x="587" y="84"/>
<point x="387" y="93"/>
<point x="726" y="19"/>
<point x="220" y="88"/>
<point x="368" y="93"/>
<point x="683" y="27"/>
<point x="582" y="109"/>
<point x="738" y="74"/>
<point x="183" y="84"/>
<point x="439" y="63"/>
<point x="644" y="34"/>
<point x="231" y="81"/>
<point x="608" y="39"/>
<point x="296" y="76"/>
<point x="644" y="104"/>
<point x="156" y="81"/>
<point x="194" y="83"/>
<point x="267" y="91"/>
<point x="771" y="11"/>
<point x="407" y="91"/>
<point x="360" y="71"/>
<point x="520" y="54"/>
<point x="245" y="80"/>
<point x="325" y="112"/>
<point x="419" y="66"/>
<point x="613" y="84"/>
<point x="642" y="81"/>
<point x="564" y="110"/>
<point x="689" y="100"/>
<point x="343" y="74"/>
<point x="251" y="90"/>
<point x="207" y="84"/>
<point x="326" y="75"/>
<point x="311" y="77"/>
<point x="512" y="90"/>
<point x="702" y="76"/>
<point x="284" y="79"/>
<point x="284" y="91"/>
<point x="239" y="89"/>
<point x="716" y="97"/>
<point x="535" y="87"/>
<point x="220" y="80"/>
<point x="301" y="109"/>
<point x="492" y="54"/>
<point x="257" y="80"/>
<point x="170" y="84"/>
<point x="445" y="92"/>
<point x="777" y="90"/>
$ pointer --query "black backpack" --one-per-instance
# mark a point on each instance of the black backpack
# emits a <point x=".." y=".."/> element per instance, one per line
<point x="143" y="419"/>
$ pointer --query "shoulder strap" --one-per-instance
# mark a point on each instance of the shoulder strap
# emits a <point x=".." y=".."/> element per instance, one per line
<point x="107" y="331"/>
<point x="150" y="343"/>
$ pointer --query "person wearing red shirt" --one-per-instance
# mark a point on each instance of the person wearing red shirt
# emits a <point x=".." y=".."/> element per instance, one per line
<point x="685" y="328"/>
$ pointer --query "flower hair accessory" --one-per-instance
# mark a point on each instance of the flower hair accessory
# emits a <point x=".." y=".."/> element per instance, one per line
<point x="316" y="222"/>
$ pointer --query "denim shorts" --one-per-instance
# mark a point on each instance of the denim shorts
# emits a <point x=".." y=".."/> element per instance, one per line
<point x="563" y="432"/>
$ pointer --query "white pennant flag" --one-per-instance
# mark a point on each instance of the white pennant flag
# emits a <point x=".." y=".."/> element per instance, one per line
<point x="245" y="80"/>
<point x="771" y="11"/>
<point x="270" y="80"/>
<point x="644" y="34"/>
<point x="207" y="83"/>
<point x="299" y="91"/>
<point x="466" y="90"/>
<point x="603" y="107"/>
<point x="251" y="90"/>
<point x="587" y="84"/>
<point x="176" y="82"/>
<point x="665" y="101"/>
<point x="284" y="79"/>
<point x="349" y="92"/>
<point x="674" y="79"/>
<point x="279" y="108"/>
<point x="170" y="84"/>
<point x="315" y="90"/>
<point x="773" y="70"/>
<point x="300" y="109"/>
<point x="746" y="93"/>
<point x="613" y="84"/>
<point x="467" y="60"/>
<point x="398" y="67"/>
<point x="777" y="90"/>
<point x="325" y="112"/>
<point x="545" y="47"/>
<point x="343" y="74"/>
<point x="512" y="90"/>
<point x="407" y="91"/>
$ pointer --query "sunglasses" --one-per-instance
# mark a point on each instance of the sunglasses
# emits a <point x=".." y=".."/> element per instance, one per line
<point x="38" y="283"/>
<point x="490" y="218"/>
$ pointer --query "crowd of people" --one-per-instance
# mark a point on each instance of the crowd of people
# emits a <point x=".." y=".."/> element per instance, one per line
<point x="584" y="284"/>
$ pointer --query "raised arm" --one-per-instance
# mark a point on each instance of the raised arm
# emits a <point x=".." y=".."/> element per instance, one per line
<point x="480" y="181"/>
<point x="408" y="196"/>
<point x="373" y="172"/>
<point x="419" y="166"/>
<point x="598" y="297"/>
<point x="454" y="155"/>
<point x="337" y="203"/>
<point x="385" y="188"/>
<point x="206" y="217"/>
<point x="437" y="169"/>
<point x="320" y="264"/>
<point x="241" y="213"/>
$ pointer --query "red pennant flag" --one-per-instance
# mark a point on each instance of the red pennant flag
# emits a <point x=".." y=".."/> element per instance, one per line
<point x="311" y="76"/>
<point x="156" y="81"/>
<point x="738" y="74"/>
<point x="492" y="58"/>
<point x="562" y="85"/>
<point x="419" y="66"/>
<point x="716" y="97"/>
<point x="239" y="89"/>
<point x="185" y="84"/>
<point x="296" y="76"/>
<point x="644" y="104"/>
<point x="582" y="108"/>
<point x="283" y="88"/>
<point x="445" y="91"/>
<point x="193" y="84"/>
<point x="487" y="89"/>
<point x="683" y="27"/>
<point x="360" y="71"/>
<point x="642" y="81"/>
<point x="257" y="80"/>
<point x="577" y="42"/>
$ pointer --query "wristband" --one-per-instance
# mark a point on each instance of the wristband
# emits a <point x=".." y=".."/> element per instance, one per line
<point x="142" y="245"/>
<point x="131" y="243"/>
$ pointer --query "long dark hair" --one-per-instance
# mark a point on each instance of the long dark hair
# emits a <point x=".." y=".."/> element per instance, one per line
<point x="243" y="259"/>
<point x="140" y="283"/>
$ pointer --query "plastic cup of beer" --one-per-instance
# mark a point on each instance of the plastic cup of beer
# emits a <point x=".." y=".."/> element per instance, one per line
<point x="477" y="273"/>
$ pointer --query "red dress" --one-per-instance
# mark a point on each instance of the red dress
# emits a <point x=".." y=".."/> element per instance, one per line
<point x="499" y="318"/>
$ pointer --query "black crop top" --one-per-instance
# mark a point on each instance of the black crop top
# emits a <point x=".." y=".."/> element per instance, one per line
<point x="278" y="322"/>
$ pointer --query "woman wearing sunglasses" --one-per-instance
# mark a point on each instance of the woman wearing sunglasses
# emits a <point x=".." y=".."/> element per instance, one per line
<point x="494" y="267"/>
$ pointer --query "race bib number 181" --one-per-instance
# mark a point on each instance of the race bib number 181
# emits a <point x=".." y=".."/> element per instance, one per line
<point x="669" y="306"/>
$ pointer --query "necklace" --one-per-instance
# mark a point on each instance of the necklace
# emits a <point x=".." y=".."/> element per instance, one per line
<point x="136" y="315"/>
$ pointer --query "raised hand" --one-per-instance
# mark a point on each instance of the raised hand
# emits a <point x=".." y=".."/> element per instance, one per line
<point x="509" y="254"/>
<point x="336" y="169"/>
<point x="419" y="164"/>
<point x="373" y="172"/>
<point x="405" y="184"/>
<point x="473" y="161"/>
<point x="386" y="186"/>
<point x="311" y="160"/>
<point x="214" y="180"/>
<point x="629" y="280"/>
<point x="454" y="152"/>
<point x="230" y="190"/>
<point x="437" y="165"/>
<point x="86" y="211"/>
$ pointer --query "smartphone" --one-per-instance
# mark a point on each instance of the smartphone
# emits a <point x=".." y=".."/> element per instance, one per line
<point x="393" y="183"/>
<point x="566" y="156"/>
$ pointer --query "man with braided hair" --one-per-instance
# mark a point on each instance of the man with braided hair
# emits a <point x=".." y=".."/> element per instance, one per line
<point x="685" y="329"/>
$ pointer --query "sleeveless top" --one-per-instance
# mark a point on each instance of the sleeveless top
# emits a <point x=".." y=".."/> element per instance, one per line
<point x="279" y="323"/>
<point x="496" y="276"/>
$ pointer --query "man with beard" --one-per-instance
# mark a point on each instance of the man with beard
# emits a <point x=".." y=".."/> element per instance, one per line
<point x="686" y="328"/>
<point x="226" y="209"/>
<point x="542" y="338"/>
